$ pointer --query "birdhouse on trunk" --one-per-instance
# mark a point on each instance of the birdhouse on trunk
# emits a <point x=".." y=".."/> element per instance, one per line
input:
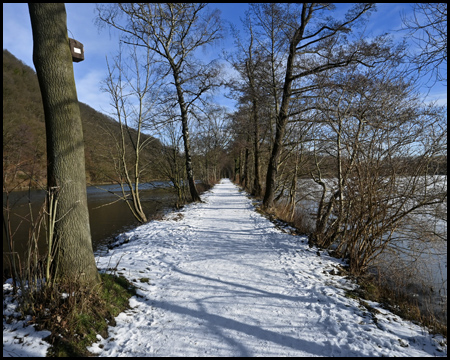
<point x="77" y="50"/>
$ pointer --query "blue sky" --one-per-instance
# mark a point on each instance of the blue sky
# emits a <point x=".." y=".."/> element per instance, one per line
<point x="17" y="39"/>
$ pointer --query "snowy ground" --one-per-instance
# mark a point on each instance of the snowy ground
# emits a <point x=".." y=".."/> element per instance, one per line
<point x="218" y="279"/>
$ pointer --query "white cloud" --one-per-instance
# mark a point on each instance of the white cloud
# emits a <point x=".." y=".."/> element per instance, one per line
<point x="88" y="90"/>
<point x="439" y="96"/>
<point x="17" y="38"/>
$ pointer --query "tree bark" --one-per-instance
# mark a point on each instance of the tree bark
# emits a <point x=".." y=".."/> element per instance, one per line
<point x="186" y="138"/>
<point x="257" y="182"/>
<point x="52" y="58"/>
<point x="281" y="122"/>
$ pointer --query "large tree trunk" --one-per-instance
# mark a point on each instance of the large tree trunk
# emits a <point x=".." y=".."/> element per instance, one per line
<point x="65" y="147"/>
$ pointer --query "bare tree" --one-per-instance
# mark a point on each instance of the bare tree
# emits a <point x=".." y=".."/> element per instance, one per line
<point x="383" y="140"/>
<point x="428" y="29"/>
<point x="272" y="39"/>
<point x="65" y="148"/>
<point x="313" y="48"/>
<point x="133" y="92"/>
<point x="174" y="31"/>
<point x="170" y="161"/>
<point x="239" y="129"/>
<point x="211" y="140"/>
<point x="248" y="62"/>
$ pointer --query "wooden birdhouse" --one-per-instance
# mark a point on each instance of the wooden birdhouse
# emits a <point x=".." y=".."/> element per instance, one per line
<point x="77" y="50"/>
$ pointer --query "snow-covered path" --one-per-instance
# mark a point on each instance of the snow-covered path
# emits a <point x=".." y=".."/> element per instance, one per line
<point x="223" y="281"/>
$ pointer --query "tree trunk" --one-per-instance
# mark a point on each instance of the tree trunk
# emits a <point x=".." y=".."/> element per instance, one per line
<point x="245" y="176"/>
<point x="281" y="122"/>
<point x="186" y="139"/>
<point x="52" y="58"/>
<point x="237" y="173"/>
<point x="282" y="118"/>
<point x="257" y="183"/>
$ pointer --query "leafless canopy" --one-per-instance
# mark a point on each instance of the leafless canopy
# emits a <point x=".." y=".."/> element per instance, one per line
<point x="428" y="29"/>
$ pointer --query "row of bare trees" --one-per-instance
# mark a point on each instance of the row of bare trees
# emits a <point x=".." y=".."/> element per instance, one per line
<point x="316" y="100"/>
<point x="335" y="120"/>
<point x="166" y="79"/>
<point x="167" y="85"/>
<point x="369" y="124"/>
<point x="287" y="46"/>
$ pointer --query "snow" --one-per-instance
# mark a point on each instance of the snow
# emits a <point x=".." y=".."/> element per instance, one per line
<point x="218" y="279"/>
<point x="20" y="340"/>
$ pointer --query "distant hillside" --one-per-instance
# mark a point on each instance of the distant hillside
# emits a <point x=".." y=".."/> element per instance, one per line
<point x="24" y="146"/>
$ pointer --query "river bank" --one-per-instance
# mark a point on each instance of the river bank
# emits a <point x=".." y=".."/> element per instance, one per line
<point x="107" y="216"/>
<point x="219" y="279"/>
<point x="410" y="276"/>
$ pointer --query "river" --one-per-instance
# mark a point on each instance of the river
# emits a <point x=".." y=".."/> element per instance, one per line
<point x="410" y="263"/>
<point x="106" y="221"/>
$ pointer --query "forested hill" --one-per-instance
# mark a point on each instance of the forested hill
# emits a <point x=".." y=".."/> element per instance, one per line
<point x="24" y="145"/>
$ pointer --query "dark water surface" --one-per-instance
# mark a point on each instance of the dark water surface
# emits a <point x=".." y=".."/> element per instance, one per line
<point x="106" y="220"/>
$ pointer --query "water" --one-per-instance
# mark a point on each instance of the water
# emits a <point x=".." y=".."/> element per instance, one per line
<point x="410" y="262"/>
<point x="108" y="217"/>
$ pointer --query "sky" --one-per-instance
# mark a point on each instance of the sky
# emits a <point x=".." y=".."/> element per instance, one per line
<point x="17" y="39"/>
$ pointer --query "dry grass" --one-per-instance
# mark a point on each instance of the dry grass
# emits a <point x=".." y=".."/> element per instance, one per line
<point x="403" y="303"/>
<point x="298" y="218"/>
<point x="75" y="314"/>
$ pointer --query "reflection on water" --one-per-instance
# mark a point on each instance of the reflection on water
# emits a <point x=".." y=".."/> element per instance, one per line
<point x="107" y="216"/>
<point x="109" y="220"/>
